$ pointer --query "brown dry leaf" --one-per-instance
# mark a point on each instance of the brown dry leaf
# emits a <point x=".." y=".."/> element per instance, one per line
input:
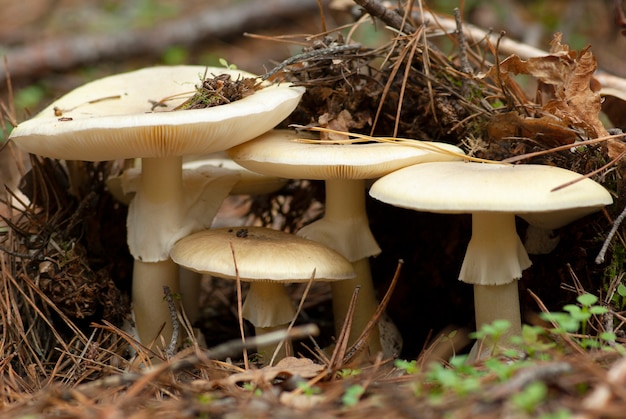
<point x="546" y="129"/>
<point x="575" y="96"/>
<point x="341" y="122"/>
<point x="288" y="367"/>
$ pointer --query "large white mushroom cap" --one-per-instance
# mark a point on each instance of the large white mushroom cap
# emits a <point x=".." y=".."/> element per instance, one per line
<point x="278" y="153"/>
<point x="465" y="188"/>
<point x="112" y="118"/>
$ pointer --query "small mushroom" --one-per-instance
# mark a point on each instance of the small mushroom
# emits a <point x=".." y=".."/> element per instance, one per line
<point x="267" y="259"/>
<point x="345" y="226"/>
<point x="494" y="194"/>
<point x="114" y="118"/>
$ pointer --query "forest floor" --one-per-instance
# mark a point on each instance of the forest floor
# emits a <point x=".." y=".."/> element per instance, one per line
<point x="65" y="352"/>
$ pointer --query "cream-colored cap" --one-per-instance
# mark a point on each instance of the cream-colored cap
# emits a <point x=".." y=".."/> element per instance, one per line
<point x="262" y="254"/>
<point x="524" y="190"/>
<point x="112" y="118"/>
<point x="278" y="153"/>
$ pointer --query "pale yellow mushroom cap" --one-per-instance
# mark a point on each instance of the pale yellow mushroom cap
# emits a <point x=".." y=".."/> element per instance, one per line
<point x="464" y="188"/>
<point x="493" y="194"/>
<point x="277" y="153"/>
<point x="262" y="254"/>
<point x="111" y="118"/>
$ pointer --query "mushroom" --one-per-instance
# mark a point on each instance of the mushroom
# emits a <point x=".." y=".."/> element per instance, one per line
<point x="113" y="118"/>
<point x="494" y="194"/>
<point x="267" y="259"/>
<point x="344" y="226"/>
<point x="206" y="182"/>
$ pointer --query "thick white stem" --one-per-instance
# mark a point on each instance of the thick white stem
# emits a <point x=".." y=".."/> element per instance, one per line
<point x="149" y="304"/>
<point x="498" y="302"/>
<point x="161" y="191"/>
<point x="494" y="261"/>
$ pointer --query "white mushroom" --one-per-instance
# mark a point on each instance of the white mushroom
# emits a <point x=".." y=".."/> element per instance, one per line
<point x="345" y="226"/>
<point x="112" y="118"/>
<point x="267" y="259"/>
<point x="493" y="194"/>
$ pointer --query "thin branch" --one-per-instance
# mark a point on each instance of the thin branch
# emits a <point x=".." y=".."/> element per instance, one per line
<point x="72" y="51"/>
<point x="618" y="221"/>
<point x="390" y="17"/>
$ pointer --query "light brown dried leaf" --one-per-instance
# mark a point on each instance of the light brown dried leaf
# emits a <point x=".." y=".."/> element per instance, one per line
<point x="289" y="366"/>
<point x="574" y="97"/>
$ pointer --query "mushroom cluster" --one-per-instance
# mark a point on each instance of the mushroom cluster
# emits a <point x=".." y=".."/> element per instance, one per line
<point x="131" y="115"/>
<point x="171" y="206"/>
<point x="344" y="168"/>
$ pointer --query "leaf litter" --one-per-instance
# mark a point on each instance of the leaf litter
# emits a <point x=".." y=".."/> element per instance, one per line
<point x="65" y="353"/>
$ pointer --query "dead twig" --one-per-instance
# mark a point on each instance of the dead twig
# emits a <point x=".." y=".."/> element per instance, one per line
<point x="68" y="52"/>
<point x="609" y="237"/>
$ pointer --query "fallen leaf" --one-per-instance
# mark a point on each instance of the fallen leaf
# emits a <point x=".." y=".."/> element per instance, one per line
<point x="286" y="367"/>
<point x="572" y="93"/>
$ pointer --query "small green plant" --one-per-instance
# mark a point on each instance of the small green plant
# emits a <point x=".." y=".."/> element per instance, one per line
<point x="352" y="395"/>
<point x="409" y="367"/>
<point x="492" y="333"/>
<point x="348" y="372"/>
<point x="576" y="317"/>
<point x="226" y="65"/>
<point x="307" y="389"/>
<point x="460" y="378"/>
<point x="251" y="387"/>
<point x="533" y="342"/>
<point x="530" y="397"/>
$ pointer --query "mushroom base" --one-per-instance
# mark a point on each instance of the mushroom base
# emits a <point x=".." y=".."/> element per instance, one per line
<point x="365" y="307"/>
<point x="149" y="305"/>
<point x="496" y="302"/>
<point x="268" y="351"/>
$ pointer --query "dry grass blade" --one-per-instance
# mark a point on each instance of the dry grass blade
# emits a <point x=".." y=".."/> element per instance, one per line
<point x="363" y="138"/>
<point x="240" y="309"/>
<point x="336" y="360"/>
<point x="359" y="344"/>
<point x="295" y="317"/>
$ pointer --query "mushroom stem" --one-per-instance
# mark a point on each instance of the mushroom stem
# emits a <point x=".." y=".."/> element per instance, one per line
<point x="495" y="254"/>
<point x="160" y="204"/>
<point x="495" y="302"/>
<point x="345" y="228"/>
<point x="149" y="305"/>
<point x="366" y="304"/>
<point x="268" y="307"/>
<point x="494" y="260"/>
